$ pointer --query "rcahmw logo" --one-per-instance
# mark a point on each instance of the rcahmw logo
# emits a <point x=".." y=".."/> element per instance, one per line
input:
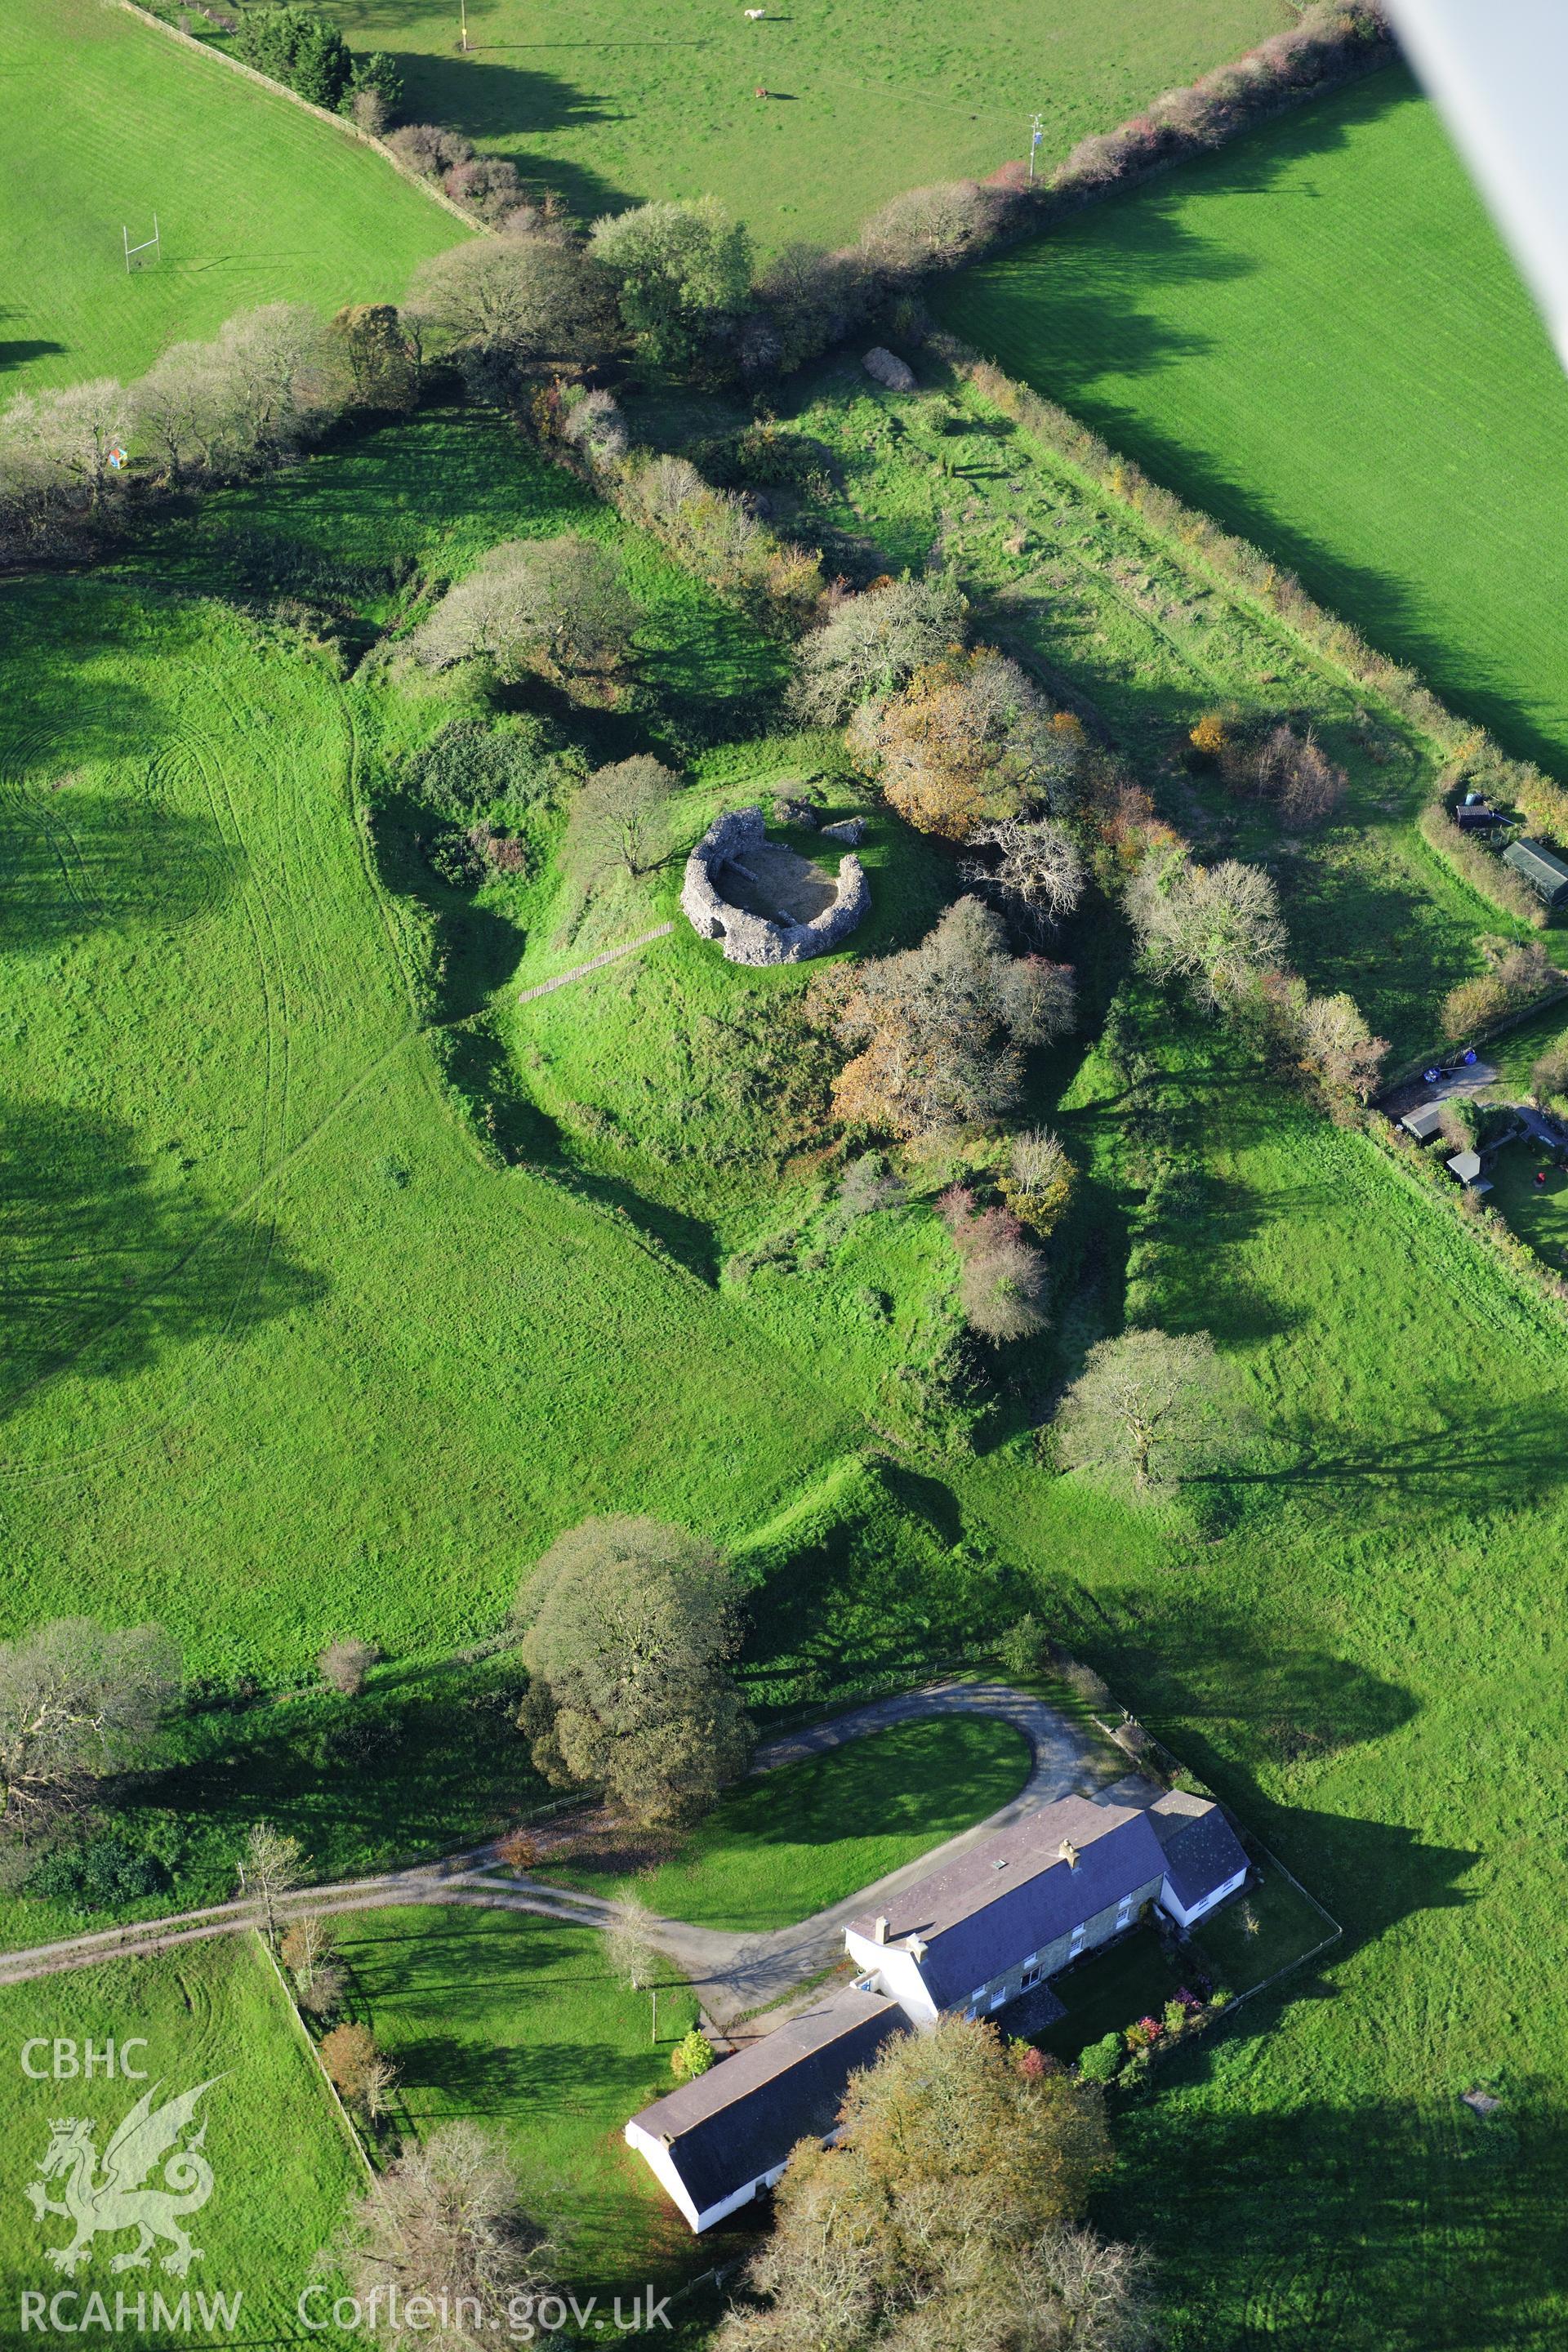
<point x="149" y="2178"/>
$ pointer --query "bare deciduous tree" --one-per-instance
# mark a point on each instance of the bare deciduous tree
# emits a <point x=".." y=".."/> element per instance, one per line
<point x="942" y="1027"/>
<point x="872" y="645"/>
<point x="631" y="1626"/>
<point x="1039" y="875"/>
<point x="934" y="227"/>
<point x="444" y="2221"/>
<point x="559" y="606"/>
<point x="346" y="1665"/>
<point x="1003" y="1289"/>
<point x="1296" y="772"/>
<point x="1216" y="927"/>
<point x="630" y="1953"/>
<point x="79" y="1701"/>
<point x="1151" y="1407"/>
<point x="271" y="1866"/>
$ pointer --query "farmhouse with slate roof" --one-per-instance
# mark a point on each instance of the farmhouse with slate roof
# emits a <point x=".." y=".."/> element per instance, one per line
<point x="988" y="1929"/>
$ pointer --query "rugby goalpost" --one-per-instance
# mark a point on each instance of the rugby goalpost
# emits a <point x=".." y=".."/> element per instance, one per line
<point x="149" y="245"/>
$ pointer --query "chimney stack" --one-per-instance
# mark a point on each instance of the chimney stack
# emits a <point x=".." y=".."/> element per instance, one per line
<point x="1069" y="1853"/>
<point x="879" y="1932"/>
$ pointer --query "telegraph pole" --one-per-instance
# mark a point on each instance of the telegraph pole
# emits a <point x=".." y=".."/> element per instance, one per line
<point x="1037" y="132"/>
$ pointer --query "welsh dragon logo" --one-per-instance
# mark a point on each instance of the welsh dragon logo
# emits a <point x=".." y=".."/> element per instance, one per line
<point x="113" y="2199"/>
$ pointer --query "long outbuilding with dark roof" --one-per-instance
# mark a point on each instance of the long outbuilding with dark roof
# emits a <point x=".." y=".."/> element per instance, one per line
<point x="718" y="2140"/>
<point x="999" y="1921"/>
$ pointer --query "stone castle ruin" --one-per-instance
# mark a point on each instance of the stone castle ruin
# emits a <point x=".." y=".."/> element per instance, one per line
<point x="765" y="902"/>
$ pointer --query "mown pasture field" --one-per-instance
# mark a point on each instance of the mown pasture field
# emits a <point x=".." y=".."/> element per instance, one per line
<point x="1316" y="336"/>
<point x="237" y="1200"/>
<point x="788" y="1843"/>
<point x="1366" y="1662"/>
<point x="612" y="106"/>
<point x="282" y="2164"/>
<point x="111" y="122"/>
<point x="516" y="2022"/>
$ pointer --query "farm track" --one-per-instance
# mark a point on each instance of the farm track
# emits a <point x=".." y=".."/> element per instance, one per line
<point x="736" y="1973"/>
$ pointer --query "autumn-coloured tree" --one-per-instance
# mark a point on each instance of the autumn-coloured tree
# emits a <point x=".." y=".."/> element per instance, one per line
<point x="631" y="1627"/>
<point x="1037" y="1181"/>
<point x="356" y="2067"/>
<point x="942" y="1028"/>
<point x="307" y="1950"/>
<point x="947" y="2215"/>
<point x="967" y="742"/>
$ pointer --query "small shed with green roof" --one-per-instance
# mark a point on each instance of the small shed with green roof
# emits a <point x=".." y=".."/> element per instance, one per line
<point x="1540" y="867"/>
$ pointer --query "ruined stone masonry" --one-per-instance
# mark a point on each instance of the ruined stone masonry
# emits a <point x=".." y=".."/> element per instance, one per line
<point x="809" y="913"/>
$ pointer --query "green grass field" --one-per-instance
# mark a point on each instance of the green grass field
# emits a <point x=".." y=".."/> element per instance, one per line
<point x="787" y="1844"/>
<point x="612" y="106"/>
<point x="1538" y="1212"/>
<point x="1366" y="1665"/>
<point x="516" y="2023"/>
<point x="256" y="202"/>
<point x="258" y="1212"/>
<point x="286" y="1357"/>
<point x="1316" y="336"/>
<point x="281" y="2161"/>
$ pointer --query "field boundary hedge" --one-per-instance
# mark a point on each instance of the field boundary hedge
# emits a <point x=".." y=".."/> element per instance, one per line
<point x="1271" y="592"/>
<point x="306" y="106"/>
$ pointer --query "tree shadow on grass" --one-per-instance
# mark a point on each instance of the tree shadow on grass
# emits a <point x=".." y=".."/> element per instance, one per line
<point x="1469" y="1455"/>
<point x="18" y="351"/>
<point x="73" y="862"/>
<point x="503" y="106"/>
<point x="106" y="1265"/>
<point x="1375" y="2225"/>
<point x="402" y="1773"/>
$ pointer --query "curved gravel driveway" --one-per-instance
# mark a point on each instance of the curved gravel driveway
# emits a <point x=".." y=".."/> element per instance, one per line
<point x="733" y="1974"/>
